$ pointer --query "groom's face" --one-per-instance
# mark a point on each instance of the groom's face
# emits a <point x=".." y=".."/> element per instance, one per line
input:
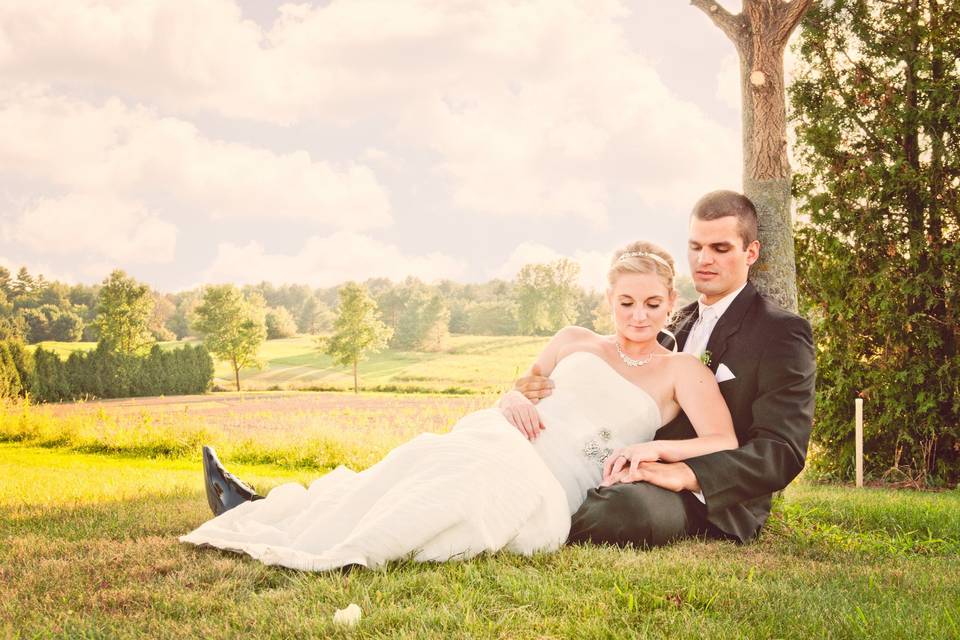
<point x="718" y="259"/>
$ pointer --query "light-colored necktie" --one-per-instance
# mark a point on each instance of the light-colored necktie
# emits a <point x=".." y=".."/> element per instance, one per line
<point x="700" y="334"/>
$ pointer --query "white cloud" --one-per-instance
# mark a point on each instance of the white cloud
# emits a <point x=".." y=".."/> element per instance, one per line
<point x="171" y="52"/>
<point x="94" y="227"/>
<point x="728" y="81"/>
<point x="203" y="54"/>
<point x="537" y="109"/>
<point x="135" y="152"/>
<point x="375" y="155"/>
<point x="37" y="269"/>
<point x="593" y="264"/>
<point x="571" y="121"/>
<point x="540" y="108"/>
<point x="326" y="261"/>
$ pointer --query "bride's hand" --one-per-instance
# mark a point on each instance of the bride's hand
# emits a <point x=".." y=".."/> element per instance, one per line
<point x="535" y="386"/>
<point x="623" y="463"/>
<point x="524" y="416"/>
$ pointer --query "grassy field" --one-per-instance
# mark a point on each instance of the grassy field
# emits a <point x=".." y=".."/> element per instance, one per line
<point x="470" y="364"/>
<point x="89" y="520"/>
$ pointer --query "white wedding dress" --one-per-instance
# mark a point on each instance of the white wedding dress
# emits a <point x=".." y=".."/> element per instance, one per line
<point x="481" y="487"/>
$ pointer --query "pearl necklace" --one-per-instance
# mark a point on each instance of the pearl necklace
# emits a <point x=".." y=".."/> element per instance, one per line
<point x="631" y="362"/>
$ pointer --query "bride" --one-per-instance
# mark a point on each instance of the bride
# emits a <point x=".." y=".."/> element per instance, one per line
<point x="508" y="477"/>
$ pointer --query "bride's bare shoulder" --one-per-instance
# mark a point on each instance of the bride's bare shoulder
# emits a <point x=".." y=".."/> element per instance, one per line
<point x="574" y="333"/>
<point x="575" y="338"/>
<point x="686" y="364"/>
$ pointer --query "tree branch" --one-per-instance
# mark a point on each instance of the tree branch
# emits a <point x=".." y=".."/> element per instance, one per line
<point x="732" y="25"/>
<point x="791" y="13"/>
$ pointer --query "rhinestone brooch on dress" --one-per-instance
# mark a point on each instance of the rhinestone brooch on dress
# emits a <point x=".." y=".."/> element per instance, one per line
<point x="593" y="449"/>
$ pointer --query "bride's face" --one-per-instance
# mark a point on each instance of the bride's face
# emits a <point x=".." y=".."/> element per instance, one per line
<point x="641" y="304"/>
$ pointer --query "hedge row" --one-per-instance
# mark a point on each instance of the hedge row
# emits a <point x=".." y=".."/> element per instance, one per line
<point x="16" y="369"/>
<point x="102" y="373"/>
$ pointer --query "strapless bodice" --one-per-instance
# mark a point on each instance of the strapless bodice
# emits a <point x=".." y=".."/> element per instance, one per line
<point x="592" y="411"/>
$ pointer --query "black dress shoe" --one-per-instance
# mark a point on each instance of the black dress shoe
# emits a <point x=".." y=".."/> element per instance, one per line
<point x="224" y="490"/>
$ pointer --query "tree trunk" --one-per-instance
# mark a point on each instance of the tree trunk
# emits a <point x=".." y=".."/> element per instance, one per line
<point x="766" y="172"/>
<point x="760" y="33"/>
<point x="236" y="373"/>
<point x="356" y="387"/>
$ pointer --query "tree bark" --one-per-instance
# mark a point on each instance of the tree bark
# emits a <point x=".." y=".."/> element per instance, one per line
<point x="236" y="373"/>
<point x="760" y="34"/>
<point x="356" y="387"/>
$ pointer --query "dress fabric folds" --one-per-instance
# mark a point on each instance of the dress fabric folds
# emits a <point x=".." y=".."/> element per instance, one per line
<point x="482" y="487"/>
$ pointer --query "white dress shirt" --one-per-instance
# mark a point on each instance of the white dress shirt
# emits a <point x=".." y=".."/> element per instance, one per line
<point x="699" y="334"/>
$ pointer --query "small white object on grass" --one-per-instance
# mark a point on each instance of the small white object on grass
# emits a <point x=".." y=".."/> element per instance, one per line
<point x="348" y="617"/>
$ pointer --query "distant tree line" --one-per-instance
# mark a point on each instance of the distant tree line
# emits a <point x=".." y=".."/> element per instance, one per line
<point x="127" y="319"/>
<point x="16" y="369"/>
<point x="539" y="301"/>
<point x="102" y="373"/>
<point x="34" y="309"/>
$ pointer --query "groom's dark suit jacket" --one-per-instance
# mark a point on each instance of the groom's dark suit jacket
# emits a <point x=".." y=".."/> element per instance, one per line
<point x="770" y="351"/>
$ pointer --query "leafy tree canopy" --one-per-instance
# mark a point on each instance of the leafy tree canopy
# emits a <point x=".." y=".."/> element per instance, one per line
<point x="357" y="330"/>
<point x="233" y="327"/>
<point x="878" y="139"/>
<point x="124" y="308"/>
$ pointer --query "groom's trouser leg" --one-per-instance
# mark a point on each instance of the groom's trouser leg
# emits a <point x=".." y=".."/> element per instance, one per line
<point x="639" y="514"/>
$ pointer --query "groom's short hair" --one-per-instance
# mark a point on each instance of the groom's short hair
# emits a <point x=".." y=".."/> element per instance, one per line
<point x="724" y="204"/>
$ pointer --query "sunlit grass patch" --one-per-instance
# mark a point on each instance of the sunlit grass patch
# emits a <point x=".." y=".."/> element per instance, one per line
<point x="872" y="521"/>
<point x="37" y="478"/>
<point x="99" y="430"/>
<point x="88" y="548"/>
<point x="469" y="364"/>
<point x="88" y="542"/>
<point x="882" y="509"/>
<point x="317" y="431"/>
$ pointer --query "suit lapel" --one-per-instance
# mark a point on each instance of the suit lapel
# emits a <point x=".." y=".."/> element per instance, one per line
<point x="728" y="324"/>
<point x="684" y="322"/>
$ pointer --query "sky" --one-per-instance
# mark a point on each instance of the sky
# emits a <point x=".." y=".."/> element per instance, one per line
<point x="210" y="141"/>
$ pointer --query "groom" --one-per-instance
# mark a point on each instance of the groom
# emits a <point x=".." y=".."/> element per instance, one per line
<point x="763" y="359"/>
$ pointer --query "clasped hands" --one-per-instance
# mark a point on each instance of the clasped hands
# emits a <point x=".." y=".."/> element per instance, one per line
<point x="640" y="463"/>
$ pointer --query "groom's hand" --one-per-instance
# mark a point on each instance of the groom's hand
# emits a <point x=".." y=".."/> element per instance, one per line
<point x="535" y="386"/>
<point x="672" y="476"/>
<point x="627" y="460"/>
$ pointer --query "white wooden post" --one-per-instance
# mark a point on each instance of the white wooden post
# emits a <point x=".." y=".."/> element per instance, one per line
<point x="858" y="403"/>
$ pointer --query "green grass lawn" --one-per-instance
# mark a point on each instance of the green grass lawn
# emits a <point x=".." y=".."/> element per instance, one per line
<point x="469" y="364"/>
<point x="93" y="497"/>
<point x="88" y="548"/>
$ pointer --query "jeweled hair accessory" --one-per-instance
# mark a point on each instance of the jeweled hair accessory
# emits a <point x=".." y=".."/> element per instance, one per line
<point x="645" y="254"/>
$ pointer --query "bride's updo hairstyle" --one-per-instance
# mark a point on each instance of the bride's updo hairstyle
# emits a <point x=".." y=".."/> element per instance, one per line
<point x="642" y="257"/>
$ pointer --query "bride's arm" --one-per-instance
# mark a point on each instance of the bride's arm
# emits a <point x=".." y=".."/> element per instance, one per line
<point x="535" y="384"/>
<point x="544" y="364"/>
<point x="697" y="393"/>
<point x="518" y="409"/>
